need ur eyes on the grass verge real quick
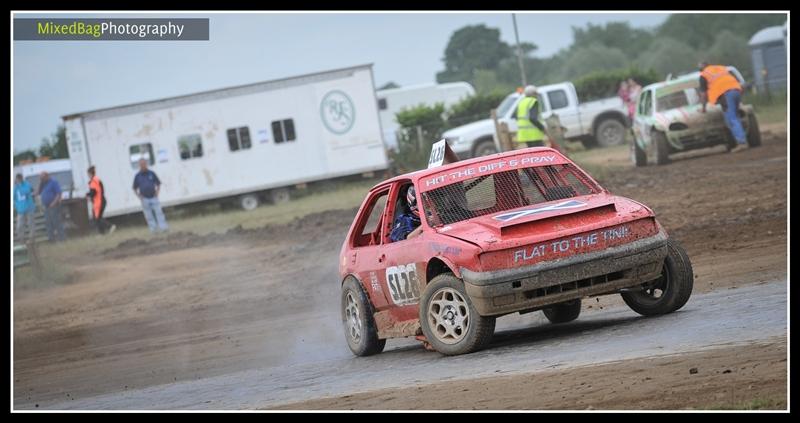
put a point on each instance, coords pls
(57, 260)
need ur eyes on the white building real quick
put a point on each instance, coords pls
(391, 101)
(58, 169)
(768, 52)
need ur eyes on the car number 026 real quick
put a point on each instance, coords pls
(403, 283)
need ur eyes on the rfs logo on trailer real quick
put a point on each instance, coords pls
(338, 112)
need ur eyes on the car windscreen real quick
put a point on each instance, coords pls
(503, 108)
(672, 101)
(678, 95)
(64, 179)
(503, 191)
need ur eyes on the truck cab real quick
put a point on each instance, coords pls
(601, 122)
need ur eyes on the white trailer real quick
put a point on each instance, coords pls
(392, 100)
(73, 203)
(237, 142)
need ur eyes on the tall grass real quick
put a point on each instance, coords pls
(769, 108)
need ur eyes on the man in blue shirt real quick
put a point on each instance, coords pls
(146, 186)
(50, 194)
(24, 205)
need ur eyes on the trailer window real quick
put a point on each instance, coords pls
(239, 138)
(283, 130)
(141, 151)
(382, 104)
(190, 146)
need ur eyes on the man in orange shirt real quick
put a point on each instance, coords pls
(719, 86)
(97, 196)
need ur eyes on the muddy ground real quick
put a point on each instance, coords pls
(186, 308)
(742, 377)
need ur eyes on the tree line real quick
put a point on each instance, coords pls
(476, 53)
(598, 59)
(52, 147)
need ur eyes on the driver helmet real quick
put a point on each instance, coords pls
(411, 200)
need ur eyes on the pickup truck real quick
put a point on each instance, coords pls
(601, 122)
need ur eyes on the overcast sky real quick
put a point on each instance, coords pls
(54, 78)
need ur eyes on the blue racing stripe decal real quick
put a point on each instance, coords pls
(571, 204)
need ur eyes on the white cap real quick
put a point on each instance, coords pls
(530, 90)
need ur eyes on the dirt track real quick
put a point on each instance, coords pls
(725, 378)
(185, 309)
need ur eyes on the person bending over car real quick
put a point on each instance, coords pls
(718, 85)
(407, 224)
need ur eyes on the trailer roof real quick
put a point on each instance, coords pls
(426, 85)
(768, 35)
(217, 93)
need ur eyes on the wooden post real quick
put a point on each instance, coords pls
(33, 257)
(501, 132)
(556, 133)
(508, 137)
(497, 128)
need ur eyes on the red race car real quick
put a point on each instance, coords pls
(513, 232)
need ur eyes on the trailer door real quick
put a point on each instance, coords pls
(78, 155)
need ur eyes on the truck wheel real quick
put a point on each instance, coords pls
(563, 312)
(610, 132)
(248, 202)
(638, 156)
(359, 325)
(279, 195)
(753, 132)
(668, 292)
(449, 320)
(485, 148)
(659, 148)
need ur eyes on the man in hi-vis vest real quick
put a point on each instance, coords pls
(529, 129)
(719, 86)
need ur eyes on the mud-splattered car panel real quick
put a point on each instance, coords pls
(674, 109)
